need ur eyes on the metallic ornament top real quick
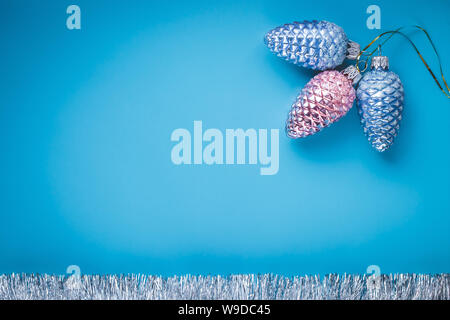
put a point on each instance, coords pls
(380, 62)
(325, 99)
(380, 104)
(318, 45)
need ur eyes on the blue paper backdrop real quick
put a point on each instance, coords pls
(85, 123)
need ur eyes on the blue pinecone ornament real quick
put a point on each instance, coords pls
(317, 45)
(380, 104)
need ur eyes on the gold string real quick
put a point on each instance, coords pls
(397, 31)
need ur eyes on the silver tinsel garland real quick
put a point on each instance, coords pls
(235, 287)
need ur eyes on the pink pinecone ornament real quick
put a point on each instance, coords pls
(325, 99)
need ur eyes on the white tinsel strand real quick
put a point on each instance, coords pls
(246, 287)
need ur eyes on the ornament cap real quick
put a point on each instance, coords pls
(352, 74)
(380, 62)
(353, 50)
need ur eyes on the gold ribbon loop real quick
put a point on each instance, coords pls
(397, 31)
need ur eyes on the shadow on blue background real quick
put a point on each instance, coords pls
(85, 125)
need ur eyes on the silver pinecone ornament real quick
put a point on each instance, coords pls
(318, 45)
(380, 104)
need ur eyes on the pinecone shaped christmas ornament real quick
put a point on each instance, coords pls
(380, 104)
(317, 45)
(325, 99)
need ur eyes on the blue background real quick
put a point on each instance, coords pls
(85, 124)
